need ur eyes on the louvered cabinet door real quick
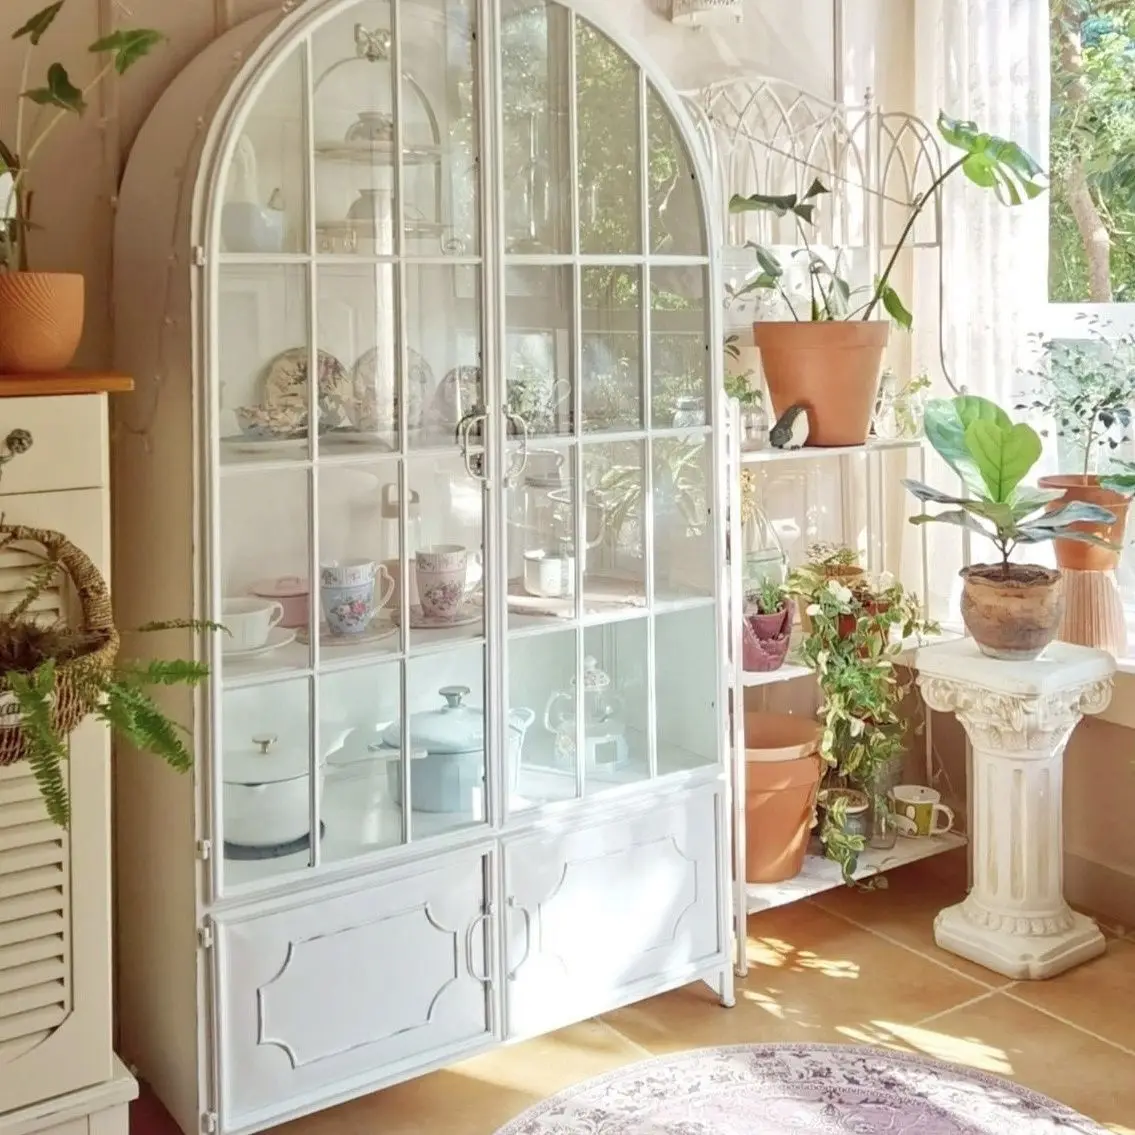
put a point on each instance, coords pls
(55, 985)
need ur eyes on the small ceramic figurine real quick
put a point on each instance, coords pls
(791, 431)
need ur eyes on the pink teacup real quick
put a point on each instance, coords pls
(440, 572)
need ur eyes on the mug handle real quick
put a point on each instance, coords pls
(383, 572)
(948, 813)
(277, 614)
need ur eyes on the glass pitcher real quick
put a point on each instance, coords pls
(604, 732)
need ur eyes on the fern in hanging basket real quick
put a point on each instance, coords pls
(55, 675)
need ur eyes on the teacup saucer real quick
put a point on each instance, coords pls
(468, 613)
(277, 637)
(378, 630)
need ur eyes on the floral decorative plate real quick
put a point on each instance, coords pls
(375, 399)
(457, 394)
(285, 386)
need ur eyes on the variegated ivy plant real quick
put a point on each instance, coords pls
(39, 111)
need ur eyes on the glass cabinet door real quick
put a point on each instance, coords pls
(612, 648)
(351, 541)
(448, 588)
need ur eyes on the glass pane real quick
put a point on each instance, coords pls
(537, 147)
(265, 194)
(440, 151)
(615, 538)
(265, 565)
(676, 227)
(680, 363)
(610, 217)
(616, 707)
(538, 318)
(612, 349)
(541, 538)
(445, 535)
(353, 107)
(443, 327)
(447, 742)
(357, 326)
(265, 775)
(683, 525)
(541, 684)
(358, 714)
(263, 354)
(359, 561)
(685, 704)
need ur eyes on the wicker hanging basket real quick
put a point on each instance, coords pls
(71, 705)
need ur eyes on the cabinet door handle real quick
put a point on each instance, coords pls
(514, 905)
(519, 461)
(483, 978)
(474, 462)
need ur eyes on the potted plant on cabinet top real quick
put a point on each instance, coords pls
(1086, 390)
(853, 644)
(41, 313)
(830, 362)
(1012, 610)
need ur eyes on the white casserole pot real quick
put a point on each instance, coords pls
(267, 798)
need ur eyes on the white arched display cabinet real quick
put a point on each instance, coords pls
(483, 226)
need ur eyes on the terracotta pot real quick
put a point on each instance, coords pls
(1015, 618)
(783, 772)
(845, 627)
(845, 573)
(830, 368)
(1088, 557)
(41, 321)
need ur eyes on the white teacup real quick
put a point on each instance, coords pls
(441, 573)
(549, 575)
(249, 622)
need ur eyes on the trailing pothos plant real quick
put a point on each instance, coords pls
(986, 160)
(853, 644)
(993, 455)
(39, 111)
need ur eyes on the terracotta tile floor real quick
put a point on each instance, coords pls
(846, 967)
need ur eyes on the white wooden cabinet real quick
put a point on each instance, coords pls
(603, 912)
(487, 824)
(55, 915)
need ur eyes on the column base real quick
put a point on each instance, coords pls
(1023, 957)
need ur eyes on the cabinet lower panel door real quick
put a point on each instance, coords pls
(594, 913)
(326, 998)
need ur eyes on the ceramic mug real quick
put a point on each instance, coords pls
(917, 811)
(249, 622)
(441, 572)
(548, 575)
(350, 596)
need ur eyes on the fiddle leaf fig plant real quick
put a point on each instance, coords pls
(993, 455)
(986, 160)
(59, 96)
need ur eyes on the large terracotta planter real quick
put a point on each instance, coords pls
(1015, 618)
(1089, 557)
(41, 321)
(782, 770)
(832, 369)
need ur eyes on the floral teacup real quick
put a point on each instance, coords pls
(441, 574)
(347, 594)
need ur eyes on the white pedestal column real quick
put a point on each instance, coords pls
(1019, 716)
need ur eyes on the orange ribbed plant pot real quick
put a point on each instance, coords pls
(1089, 557)
(41, 321)
(1093, 612)
(830, 368)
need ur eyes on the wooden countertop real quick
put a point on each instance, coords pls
(65, 382)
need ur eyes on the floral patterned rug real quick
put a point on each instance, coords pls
(798, 1089)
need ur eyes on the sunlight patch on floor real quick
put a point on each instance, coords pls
(955, 1049)
(773, 953)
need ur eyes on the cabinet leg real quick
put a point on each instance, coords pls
(722, 985)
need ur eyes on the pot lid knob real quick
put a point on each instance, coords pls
(265, 742)
(593, 677)
(453, 695)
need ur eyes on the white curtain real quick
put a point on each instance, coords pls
(985, 60)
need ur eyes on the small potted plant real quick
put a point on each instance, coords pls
(1012, 610)
(1085, 390)
(824, 562)
(830, 361)
(768, 627)
(853, 643)
(41, 313)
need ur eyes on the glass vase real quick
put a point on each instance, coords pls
(754, 426)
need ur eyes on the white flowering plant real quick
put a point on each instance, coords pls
(855, 636)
